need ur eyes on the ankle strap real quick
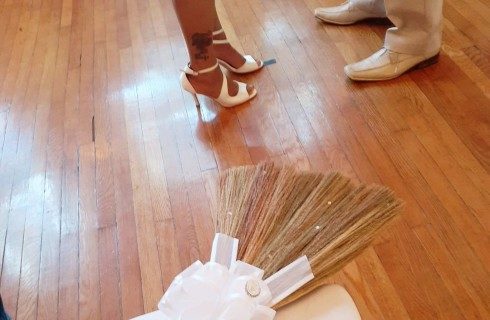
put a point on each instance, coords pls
(224, 41)
(220, 31)
(187, 70)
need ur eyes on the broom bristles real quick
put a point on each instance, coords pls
(280, 214)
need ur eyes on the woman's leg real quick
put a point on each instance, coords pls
(225, 51)
(197, 20)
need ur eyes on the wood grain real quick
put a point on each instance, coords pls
(108, 171)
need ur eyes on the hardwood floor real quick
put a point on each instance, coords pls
(108, 171)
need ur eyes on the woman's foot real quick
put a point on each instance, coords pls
(210, 83)
(225, 52)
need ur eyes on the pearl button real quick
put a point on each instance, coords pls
(253, 288)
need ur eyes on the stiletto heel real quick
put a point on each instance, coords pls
(196, 100)
(224, 98)
(250, 65)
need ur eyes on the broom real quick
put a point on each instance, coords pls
(280, 214)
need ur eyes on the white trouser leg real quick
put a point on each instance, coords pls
(418, 26)
(376, 6)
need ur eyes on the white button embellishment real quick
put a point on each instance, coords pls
(253, 288)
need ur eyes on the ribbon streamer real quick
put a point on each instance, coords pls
(228, 289)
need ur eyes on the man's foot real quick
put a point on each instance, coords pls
(386, 64)
(347, 13)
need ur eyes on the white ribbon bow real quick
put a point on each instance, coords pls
(227, 289)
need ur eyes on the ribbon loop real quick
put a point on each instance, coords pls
(224, 288)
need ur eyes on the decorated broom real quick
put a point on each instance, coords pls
(280, 234)
(280, 214)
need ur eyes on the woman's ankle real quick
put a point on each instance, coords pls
(226, 52)
(210, 84)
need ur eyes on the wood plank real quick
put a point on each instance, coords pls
(128, 258)
(9, 40)
(50, 251)
(148, 252)
(20, 132)
(89, 276)
(69, 232)
(29, 280)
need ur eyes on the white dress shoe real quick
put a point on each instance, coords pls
(386, 64)
(346, 13)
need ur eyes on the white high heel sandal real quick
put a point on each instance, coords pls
(250, 64)
(224, 98)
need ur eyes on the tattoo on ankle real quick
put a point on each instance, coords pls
(202, 41)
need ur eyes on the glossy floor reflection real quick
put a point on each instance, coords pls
(108, 171)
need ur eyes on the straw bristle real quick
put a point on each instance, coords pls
(280, 214)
